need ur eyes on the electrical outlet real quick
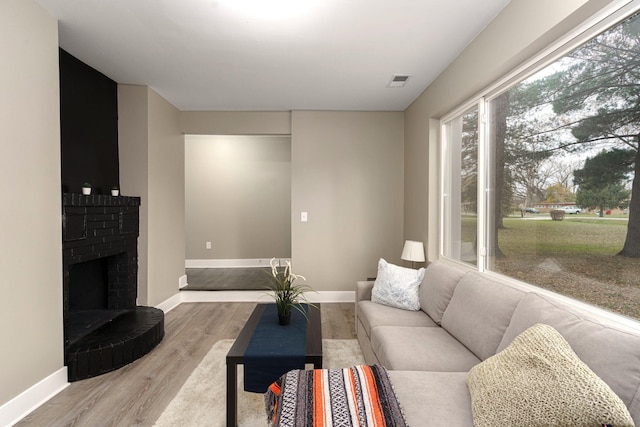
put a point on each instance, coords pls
(208, 245)
(304, 217)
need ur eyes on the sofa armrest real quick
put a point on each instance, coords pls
(363, 293)
(363, 290)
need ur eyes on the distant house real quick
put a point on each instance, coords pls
(548, 207)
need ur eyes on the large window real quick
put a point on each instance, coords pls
(559, 204)
(460, 215)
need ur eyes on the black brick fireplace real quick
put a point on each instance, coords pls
(103, 328)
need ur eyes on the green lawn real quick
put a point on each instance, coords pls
(559, 238)
(575, 257)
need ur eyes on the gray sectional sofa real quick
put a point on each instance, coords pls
(465, 318)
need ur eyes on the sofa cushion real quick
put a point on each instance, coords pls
(371, 315)
(479, 313)
(397, 286)
(440, 279)
(420, 349)
(433, 399)
(539, 381)
(610, 350)
(365, 345)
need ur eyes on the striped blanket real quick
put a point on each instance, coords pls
(360, 396)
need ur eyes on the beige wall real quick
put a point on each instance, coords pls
(166, 200)
(347, 173)
(238, 196)
(133, 152)
(151, 149)
(235, 122)
(30, 222)
(521, 30)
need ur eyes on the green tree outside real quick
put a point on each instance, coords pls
(591, 99)
(601, 180)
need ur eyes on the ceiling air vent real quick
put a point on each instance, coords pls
(399, 80)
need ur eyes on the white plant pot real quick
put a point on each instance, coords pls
(115, 192)
(86, 190)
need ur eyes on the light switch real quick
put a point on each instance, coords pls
(303, 216)
(208, 245)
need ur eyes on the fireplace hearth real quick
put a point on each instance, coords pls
(104, 329)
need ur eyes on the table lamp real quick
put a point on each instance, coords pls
(413, 251)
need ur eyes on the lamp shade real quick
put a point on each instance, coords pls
(413, 251)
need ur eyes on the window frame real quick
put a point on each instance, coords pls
(444, 155)
(612, 15)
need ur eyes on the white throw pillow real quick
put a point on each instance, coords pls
(397, 286)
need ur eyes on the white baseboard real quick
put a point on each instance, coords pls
(170, 303)
(182, 281)
(231, 263)
(30, 399)
(332, 296)
(249, 296)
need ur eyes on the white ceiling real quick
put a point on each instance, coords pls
(316, 55)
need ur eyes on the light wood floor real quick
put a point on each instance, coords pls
(136, 394)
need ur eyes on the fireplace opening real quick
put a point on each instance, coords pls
(88, 284)
(89, 307)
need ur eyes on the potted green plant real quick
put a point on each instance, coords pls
(287, 293)
(86, 188)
